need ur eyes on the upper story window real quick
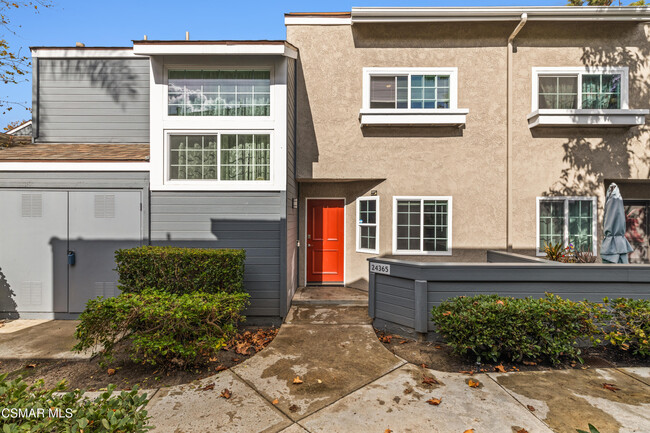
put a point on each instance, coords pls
(219, 93)
(580, 91)
(411, 96)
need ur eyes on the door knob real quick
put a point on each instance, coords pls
(309, 245)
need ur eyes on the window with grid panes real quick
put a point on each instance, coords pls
(219, 93)
(226, 157)
(426, 91)
(422, 225)
(567, 221)
(367, 224)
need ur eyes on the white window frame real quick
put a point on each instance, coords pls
(565, 229)
(579, 71)
(177, 67)
(453, 87)
(420, 252)
(376, 225)
(217, 181)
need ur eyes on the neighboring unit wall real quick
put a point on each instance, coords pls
(249, 220)
(292, 188)
(91, 100)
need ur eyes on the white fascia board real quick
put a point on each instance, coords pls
(424, 117)
(540, 13)
(590, 118)
(217, 49)
(73, 166)
(18, 128)
(80, 53)
(317, 21)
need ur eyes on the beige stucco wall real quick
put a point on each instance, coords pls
(468, 164)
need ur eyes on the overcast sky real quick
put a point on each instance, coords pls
(117, 22)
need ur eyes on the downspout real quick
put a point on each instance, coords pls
(509, 116)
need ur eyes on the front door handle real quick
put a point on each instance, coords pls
(309, 245)
(72, 258)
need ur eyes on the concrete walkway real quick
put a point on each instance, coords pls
(351, 383)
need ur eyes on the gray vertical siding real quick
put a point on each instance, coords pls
(406, 296)
(252, 221)
(292, 186)
(91, 100)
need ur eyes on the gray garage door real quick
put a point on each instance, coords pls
(57, 247)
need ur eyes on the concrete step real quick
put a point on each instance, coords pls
(330, 295)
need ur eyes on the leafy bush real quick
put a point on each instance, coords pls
(163, 328)
(493, 327)
(629, 326)
(180, 270)
(122, 412)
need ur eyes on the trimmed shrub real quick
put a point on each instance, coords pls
(123, 412)
(629, 327)
(163, 328)
(180, 270)
(492, 327)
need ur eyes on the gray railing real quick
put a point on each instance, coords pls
(402, 293)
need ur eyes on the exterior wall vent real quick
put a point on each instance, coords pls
(32, 205)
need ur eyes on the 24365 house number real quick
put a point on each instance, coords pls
(380, 268)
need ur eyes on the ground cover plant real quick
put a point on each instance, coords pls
(52, 410)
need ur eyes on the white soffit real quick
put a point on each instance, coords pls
(539, 13)
(214, 49)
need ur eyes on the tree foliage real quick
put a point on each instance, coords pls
(14, 62)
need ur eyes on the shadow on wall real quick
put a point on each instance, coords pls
(591, 155)
(306, 135)
(8, 307)
(116, 76)
(411, 131)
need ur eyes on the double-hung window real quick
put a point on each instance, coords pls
(367, 225)
(566, 220)
(219, 93)
(223, 157)
(422, 225)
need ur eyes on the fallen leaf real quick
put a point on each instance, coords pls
(388, 431)
(611, 387)
(523, 430)
(473, 383)
(225, 393)
(297, 380)
(467, 372)
(471, 430)
(110, 371)
(276, 401)
(213, 359)
(403, 342)
(319, 381)
(529, 363)
(407, 390)
(500, 302)
(428, 380)
(500, 368)
(235, 360)
(437, 346)
(221, 368)
(293, 408)
(30, 366)
(424, 366)
(531, 408)
(208, 387)
(446, 313)
(434, 401)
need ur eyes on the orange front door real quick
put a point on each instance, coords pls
(325, 243)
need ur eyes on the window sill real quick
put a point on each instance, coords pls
(624, 118)
(421, 253)
(405, 117)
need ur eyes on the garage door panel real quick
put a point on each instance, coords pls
(100, 223)
(33, 223)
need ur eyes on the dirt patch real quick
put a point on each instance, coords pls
(439, 356)
(88, 375)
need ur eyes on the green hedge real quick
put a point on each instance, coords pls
(163, 328)
(492, 327)
(180, 270)
(629, 325)
(123, 412)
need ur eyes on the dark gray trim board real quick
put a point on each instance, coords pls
(406, 293)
